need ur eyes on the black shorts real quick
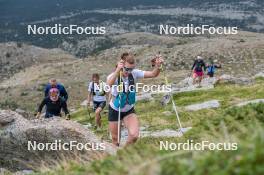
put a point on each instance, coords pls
(97, 104)
(113, 114)
(49, 115)
(210, 74)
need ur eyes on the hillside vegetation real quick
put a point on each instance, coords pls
(241, 55)
(228, 123)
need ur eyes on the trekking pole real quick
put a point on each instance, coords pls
(119, 112)
(89, 114)
(171, 96)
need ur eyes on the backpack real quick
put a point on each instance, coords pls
(102, 93)
(211, 69)
(128, 97)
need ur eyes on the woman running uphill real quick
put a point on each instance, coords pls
(129, 76)
(96, 91)
(198, 70)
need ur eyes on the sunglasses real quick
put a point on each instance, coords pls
(53, 94)
(126, 69)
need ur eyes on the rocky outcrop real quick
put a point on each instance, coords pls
(186, 85)
(165, 133)
(259, 75)
(204, 105)
(250, 102)
(16, 133)
(233, 80)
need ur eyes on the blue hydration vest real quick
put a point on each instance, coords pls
(124, 98)
(211, 69)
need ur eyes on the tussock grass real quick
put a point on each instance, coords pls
(244, 125)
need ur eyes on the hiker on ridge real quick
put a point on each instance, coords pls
(198, 70)
(96, 90)
(211, 67)
(54, 104)
(54, 84)
(123, 81)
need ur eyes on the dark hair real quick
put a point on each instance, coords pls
(95, 76)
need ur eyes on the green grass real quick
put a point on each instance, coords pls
(244, 125)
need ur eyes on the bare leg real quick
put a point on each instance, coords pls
(98, 117)
(194, 79)
(113, 127)
(199, 80)
(132, 124)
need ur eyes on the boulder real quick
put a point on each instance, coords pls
(167, 113)
(185, 82)
(188, 82)
(16, 132)
(145, 97)
(24, 113)
(6, 119)
(165, 133)
(230, 79)
(204, 105)
(259, 75)
(250, 102)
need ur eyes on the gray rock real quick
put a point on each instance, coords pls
(145, 96)
(164, 133)
(185, 82)
(204, 105)
(20, 111)
(24, 113)
(259, 75)
(188, 82)
(124, 134)
(250, 102)
(167, 113)
(16, 131)
(230, 79)
(6, 119)
(23, 172)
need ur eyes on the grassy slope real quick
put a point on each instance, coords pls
(243, 125)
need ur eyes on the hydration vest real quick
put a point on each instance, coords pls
(101, 93)
(123, 98)
(211, 69)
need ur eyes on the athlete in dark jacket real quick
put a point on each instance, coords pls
(54, 104)
(199, 65)
(53, 84)
(198, 69)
